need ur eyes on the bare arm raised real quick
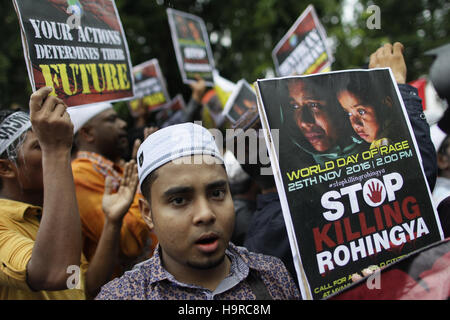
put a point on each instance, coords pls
(115, 206)
(58, 241)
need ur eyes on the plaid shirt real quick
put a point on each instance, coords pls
(150, 281)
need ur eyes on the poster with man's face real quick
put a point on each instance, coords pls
(78, 47)
(348, 172)
(192, 47)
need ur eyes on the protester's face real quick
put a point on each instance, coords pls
(110, 134)
(193, 214)
(362, 117)
(29, 164)
(312, 117)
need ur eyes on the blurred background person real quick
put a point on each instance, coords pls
(102, 143)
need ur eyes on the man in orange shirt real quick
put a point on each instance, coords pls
(101, 140)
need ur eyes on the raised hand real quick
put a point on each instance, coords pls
(198, 89)
(58, 241)
(50, 121)
(116, 204)
(390, 56)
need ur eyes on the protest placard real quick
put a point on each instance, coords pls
(303, 49)
(192, 47)
(242, 99)
(78, 47)
(348, 172)
(223, 87)
(150, 87)
(170, 108)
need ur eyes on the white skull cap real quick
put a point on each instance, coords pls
(82, 114)
(173, 142)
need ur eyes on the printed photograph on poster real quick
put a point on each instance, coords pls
(241, 100)
(303, 50)
(169, 109)
(348, 172)
(150, 87)
(192, 47)
(85, 59)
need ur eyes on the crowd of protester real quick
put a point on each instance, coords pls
(91, 208)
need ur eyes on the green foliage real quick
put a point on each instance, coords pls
(243, 34)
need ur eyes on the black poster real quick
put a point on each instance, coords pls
(348, 172)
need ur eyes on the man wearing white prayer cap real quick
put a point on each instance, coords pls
(101, 142)
(189, 206)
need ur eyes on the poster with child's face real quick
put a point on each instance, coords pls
(350, 178)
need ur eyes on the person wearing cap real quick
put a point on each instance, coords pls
(101, 141)
(189, 206)
(40, 232)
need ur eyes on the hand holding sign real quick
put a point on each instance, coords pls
(198, 89)
(390, 56)
(50, 121)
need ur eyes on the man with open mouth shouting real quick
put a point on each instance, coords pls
(188, 204)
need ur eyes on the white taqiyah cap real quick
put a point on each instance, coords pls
(174, 142)
(82, 114)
